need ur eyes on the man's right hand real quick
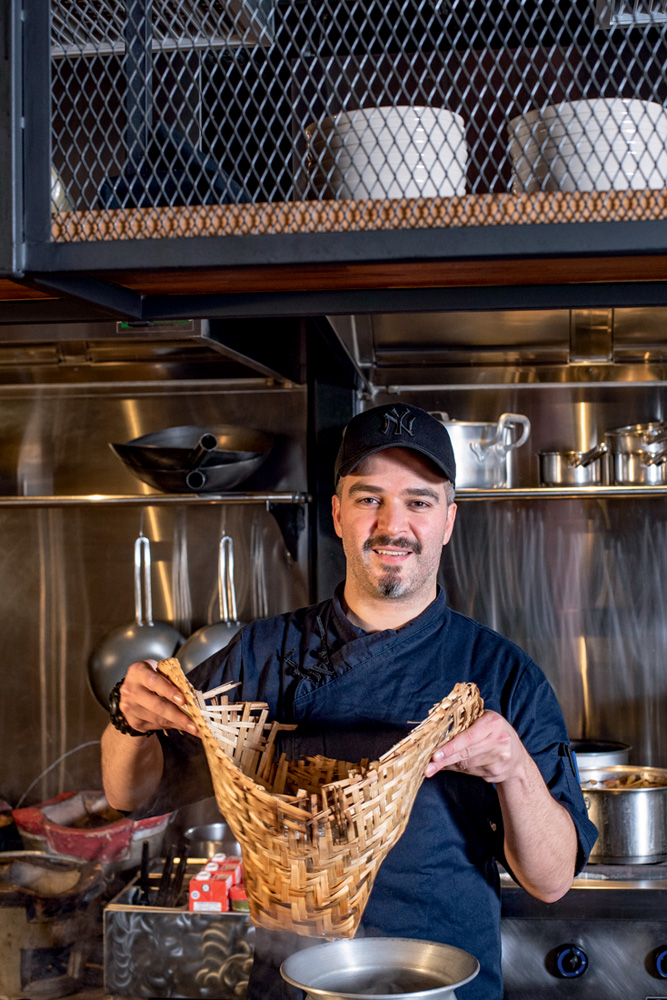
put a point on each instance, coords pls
(150, 701)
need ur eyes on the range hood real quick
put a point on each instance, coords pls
(394, 349)
(229, 349)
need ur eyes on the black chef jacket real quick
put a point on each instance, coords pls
(354, 695)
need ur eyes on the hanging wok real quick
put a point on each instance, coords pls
(142, 639)
(211, 638)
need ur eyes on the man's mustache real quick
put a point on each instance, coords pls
(386, 542)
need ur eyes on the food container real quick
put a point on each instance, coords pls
(572, 468)
(600, 753)
(83, 825)
(485, 452)
(628, 805)
(170, 951)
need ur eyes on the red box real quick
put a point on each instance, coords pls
(209, 892)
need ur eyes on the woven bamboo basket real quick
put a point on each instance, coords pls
(314, 831)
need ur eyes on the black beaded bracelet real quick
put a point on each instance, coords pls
(116, 715)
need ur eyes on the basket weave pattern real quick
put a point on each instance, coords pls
(314, 831)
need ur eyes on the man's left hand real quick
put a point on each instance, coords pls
(489, 749)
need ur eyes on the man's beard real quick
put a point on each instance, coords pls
(391, 583)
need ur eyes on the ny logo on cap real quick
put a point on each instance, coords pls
(396, 423)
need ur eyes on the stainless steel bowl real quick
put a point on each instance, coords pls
(386, 968)
(213, 838)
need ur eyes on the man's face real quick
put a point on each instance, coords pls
(393, 518)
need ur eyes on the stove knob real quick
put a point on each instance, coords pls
(660, 959)
(571, 961)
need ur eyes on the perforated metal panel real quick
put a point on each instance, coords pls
(187, 117)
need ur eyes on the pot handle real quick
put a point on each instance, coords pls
(655, 457)
(143, 597)
(226, 591)
(589, 456)
(658, 434)
(506, 421)
(510, 421)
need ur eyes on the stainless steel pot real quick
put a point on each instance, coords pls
(385, 968)
(572, 468)
(638, 468)
(631, 821)
(637, 454)
(211, 638)
(649, 437)
(484, 451)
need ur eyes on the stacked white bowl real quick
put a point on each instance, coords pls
(388, 152)
(590, 145)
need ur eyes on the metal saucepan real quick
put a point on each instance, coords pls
(649, 437)
(383, 967)
(141, 640)
(211, 638)
(483, 451)
(632, 820)
(638, 454)
(638, 468)
(572, 468)
(186, 459)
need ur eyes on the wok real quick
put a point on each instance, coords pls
(198, 459)
(211, 638)
(143, 639)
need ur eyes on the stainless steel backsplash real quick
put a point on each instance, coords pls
(67, 572)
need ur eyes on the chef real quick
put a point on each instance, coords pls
(355, 672)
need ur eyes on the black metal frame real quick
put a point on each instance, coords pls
(28, 253)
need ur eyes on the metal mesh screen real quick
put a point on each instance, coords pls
(190, 117)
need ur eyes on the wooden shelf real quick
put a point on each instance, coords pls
(298, 217)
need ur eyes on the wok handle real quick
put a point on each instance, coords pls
(206, 444)
(226, 591)
(143, 597)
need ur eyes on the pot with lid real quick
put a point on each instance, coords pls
(484, 452)
(381, 967)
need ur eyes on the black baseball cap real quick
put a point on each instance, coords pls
(398, 425)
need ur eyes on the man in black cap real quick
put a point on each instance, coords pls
(354, 672)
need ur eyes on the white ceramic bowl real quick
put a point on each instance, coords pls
(389, 152)
(590, 145)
